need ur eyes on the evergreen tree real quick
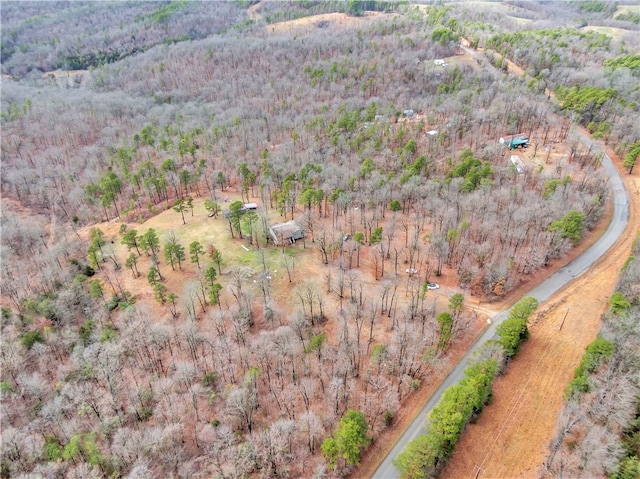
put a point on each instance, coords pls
(196, 251)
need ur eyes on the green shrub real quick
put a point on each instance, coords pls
(108, 334)
(474, 171)
(443, 36)
(580, 384)
(445, 322)
(618, 303)
(330, 451)
(350, 439)
(52, 449)
(85, 331)
(376, 236)
(596, 353)
(419, 458)
(600, 349)
(593, 6)
(29, 338)
(631, 62)
(6, 387)
(388, 418)
(513, 331)
(570, 226)
(629, 468)
(209, 379)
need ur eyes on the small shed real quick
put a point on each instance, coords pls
(519, 140)
(245, 207)
(517, 162)
(288, 232)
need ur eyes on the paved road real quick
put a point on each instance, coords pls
(542, 292)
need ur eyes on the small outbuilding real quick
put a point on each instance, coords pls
(245, 207)
(283, 233)
(517, 163)
(513, 142)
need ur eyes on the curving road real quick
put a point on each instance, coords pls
(542, 292)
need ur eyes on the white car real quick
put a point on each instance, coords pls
(411, 270)
(433, 286)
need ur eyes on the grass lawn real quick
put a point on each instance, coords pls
(304, 263)
(200, 227)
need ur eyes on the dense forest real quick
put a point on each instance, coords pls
(115, 113)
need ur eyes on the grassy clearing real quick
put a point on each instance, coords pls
(508, 10)
(494, 5)
(198, 227)
(498, 7)
(627, 9)
(615, 33)
(520, 21)
(310, 22)
(235, 252)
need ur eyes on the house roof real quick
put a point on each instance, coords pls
(286, 230)
(522, 136)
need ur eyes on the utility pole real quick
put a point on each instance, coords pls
(565, 317)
